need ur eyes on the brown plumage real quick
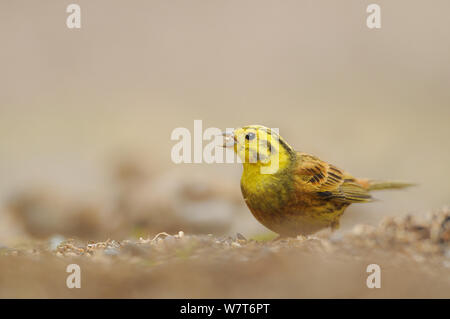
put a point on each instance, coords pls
(305, 194)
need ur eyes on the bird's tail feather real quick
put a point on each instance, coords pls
(373, 185)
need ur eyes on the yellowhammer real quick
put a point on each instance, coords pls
(294, 193)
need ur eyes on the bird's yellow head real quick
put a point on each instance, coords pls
(260, 147)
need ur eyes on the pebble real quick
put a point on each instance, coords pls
(241, 237)
(55, 241)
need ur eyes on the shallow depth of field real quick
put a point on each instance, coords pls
(86, 175)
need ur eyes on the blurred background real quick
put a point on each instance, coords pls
(86, 115)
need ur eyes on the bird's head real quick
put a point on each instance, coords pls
(259, 146)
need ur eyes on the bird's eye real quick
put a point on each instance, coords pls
(250, 136)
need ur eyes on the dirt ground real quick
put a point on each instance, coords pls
(173, 235)
(413, 255)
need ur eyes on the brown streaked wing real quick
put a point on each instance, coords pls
(327, 181)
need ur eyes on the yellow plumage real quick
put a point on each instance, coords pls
(291, 192)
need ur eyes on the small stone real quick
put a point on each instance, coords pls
(362, 229)
(55, 241)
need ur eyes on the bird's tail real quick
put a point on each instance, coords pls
(373, 185)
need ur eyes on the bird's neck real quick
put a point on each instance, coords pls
(258, 176)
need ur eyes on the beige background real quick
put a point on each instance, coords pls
(374, 102)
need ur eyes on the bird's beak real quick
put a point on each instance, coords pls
(228, 139)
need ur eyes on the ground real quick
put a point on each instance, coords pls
(413, 255)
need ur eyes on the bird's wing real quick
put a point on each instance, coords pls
(313, 175)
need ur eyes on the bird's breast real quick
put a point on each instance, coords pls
(269, 194)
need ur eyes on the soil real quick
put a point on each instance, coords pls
(413, 254)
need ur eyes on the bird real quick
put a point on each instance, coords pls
(295, 193)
